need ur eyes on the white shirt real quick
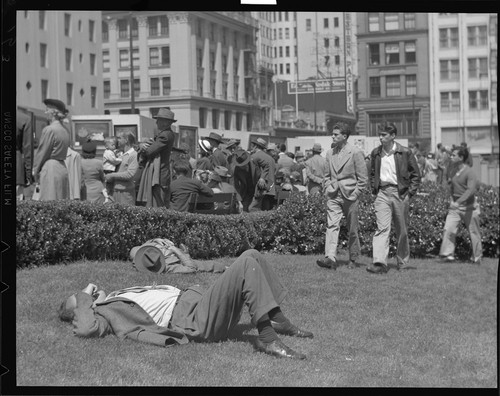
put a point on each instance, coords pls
(110, 160)
(158, 301)
(388, 173)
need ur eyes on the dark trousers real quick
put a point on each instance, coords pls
(210, 315)
(161, 196)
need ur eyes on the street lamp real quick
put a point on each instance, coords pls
(132, 85)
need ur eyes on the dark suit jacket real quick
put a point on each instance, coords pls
(180, 190)
(266, 169)
(162, 146)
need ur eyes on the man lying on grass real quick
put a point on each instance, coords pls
(164, 315)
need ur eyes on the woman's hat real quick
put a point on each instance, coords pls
(148, 259)
(241, 157)
(89, 147)
(165, 113)
(205, 145)
(215, 136)
(56, 104)
(260, 142)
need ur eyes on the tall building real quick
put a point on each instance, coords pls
(463, 58)
(199, 64)
(393, 84)
(58, 55)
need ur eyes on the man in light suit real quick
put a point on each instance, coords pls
(347, 177)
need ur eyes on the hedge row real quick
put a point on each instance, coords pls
(61, 231)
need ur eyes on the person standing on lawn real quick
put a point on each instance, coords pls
(463, 207)
(395, 178)
(316, 170)
(346, 178)
(164, 315)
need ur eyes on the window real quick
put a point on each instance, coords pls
(280, 33)
(279, 16)
(449, 69)
(411, 84)
(67, 24)
(393, 85)
(335, 22)
(478, 100)
(239, 120)
(43, 55)
(92, 64)
(69, 94)
(105, 32)
(337, 60)
(165, 56)
(374, 54)
(203, 117)
(93, 97)
(308, 25)
(135, 28)
(137, 87)
(281, 68)
(215, 119)
(124, 88)
(107, 89)
(325, 23)
(199, 57)
(405, 122)
(155, 86)
(41, 21)
(286, 16)
(68, 53)
(166, 86)
(476, 36)
(124, 62)
(450, 101)
(287, 51)
(409, 20)
(373, 22)
(392, 53)
(337, 42)
(199, 23)
(164, 30)
(227, 119)
(287, 68)
(448, 38)
(153, 26)
(212, 32)
(91, 30)
(410, 52)
(287, 33)
(391, 21)
(105, 60)
(122, 28)
(478, 67)
(212, 60)
(45, 89)
(79, 25)
(374, 87)
(154, 56)
(281, 52)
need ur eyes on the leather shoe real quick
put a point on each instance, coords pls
(377, 268)
(279, 349)
(290, 330)
(327, 262)
(352, 264)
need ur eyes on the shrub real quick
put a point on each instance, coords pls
(59, 231)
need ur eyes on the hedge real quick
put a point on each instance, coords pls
(62, 231)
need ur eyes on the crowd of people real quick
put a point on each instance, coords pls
(148, 174)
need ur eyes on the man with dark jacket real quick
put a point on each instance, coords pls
(164, 315)
(265, 168)
(394, 178)
(217, 158)
(184, 185)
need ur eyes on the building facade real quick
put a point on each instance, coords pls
(393, 84)
(463, 59)
(58, 55)
(199, 64)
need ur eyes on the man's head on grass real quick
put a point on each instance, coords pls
(66, 310)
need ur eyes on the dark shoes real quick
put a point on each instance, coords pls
(377, 268)
(279, 349)
(290, 330)
(352, 264)
(327, 262)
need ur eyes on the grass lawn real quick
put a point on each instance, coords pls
(432, 325)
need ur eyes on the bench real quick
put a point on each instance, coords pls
(219, 204)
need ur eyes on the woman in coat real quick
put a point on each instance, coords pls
(49, 169)
(92, 174)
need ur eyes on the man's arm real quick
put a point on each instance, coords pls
(414, 173)
(162, 141)
(203, 189)
(86, 323)
(361, 173)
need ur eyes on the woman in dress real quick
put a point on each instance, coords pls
(92, 174)
(124, 190)
(49, 169)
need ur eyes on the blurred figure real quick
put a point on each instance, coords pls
(73, 163)
(203, 161)
(94, 187)
(431, 169)
(316, 170)
(265, 168)
(49, 169)
(24, 140)
(243, 176)
(299, 166)
(217, 157)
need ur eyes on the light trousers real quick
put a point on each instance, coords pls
(470, 216)
(389, 207)
(336, 208)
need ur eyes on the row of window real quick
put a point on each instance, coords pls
(157, 85)
(225, 35)
(68, 57)
(406, 122)
(449, 69)
(69, 93)
(42, 24)
(157, 26)
(478, 100)
(392, 53)
(476, 36)
(228, 115)
(391, 20)
(393, 85)
(326, 23)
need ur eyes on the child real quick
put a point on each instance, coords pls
(110, 160)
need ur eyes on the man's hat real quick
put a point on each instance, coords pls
(299, 154)
(241, 157)
(57, 104)
(260, 142)
(205, 145)
(148, 258)
(215, 136)
(222, 171)
(166, 113)
(317, 148)
(89, 147)
(231, 143)
(271, 146)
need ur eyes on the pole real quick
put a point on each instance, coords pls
(132, 85)
(314, 104)
(414, 121)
